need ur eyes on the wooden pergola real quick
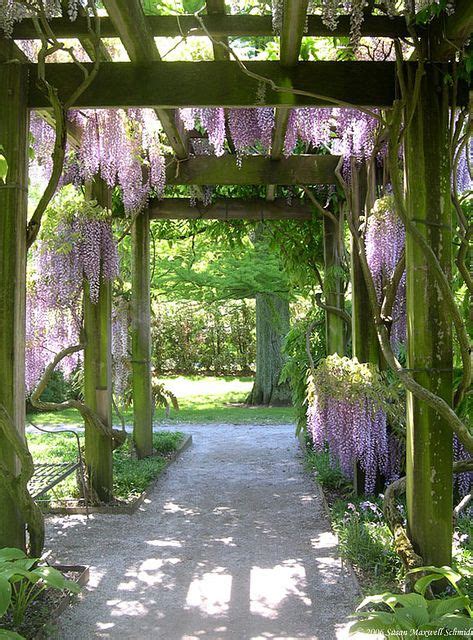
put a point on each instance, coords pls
(148, 81)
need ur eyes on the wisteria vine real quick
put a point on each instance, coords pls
(348, 404)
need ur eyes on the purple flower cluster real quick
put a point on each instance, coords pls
(12, 12)
(120, 350)
(310, 126)
(250, 128)
(345, 414)
(355, 431)
(82, 247)
(463, 481)
(385, 239)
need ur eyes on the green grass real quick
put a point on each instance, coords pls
(201, 400)
(131, 476)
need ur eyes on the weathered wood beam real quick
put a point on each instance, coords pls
(228, 209)
(449, 34)
(141, 336)
(217, 7)
(173, 84)
(294, 170)
(219, 26)
(13, 211)
(10, 52)
(293, 24)
(131, 25)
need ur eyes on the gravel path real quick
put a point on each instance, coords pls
(232, 544)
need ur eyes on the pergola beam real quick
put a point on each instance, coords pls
(228, 209)
(294, 18)
(132, 28)
(174, 84)
(255, 170)
(169, 85)
(219, 25)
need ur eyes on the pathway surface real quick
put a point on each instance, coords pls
(232, 544)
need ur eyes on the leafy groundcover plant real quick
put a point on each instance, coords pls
(414, 614)
(22, 581)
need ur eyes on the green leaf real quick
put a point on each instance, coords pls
(9, 553)
(411, 600)
(381, 598)
(10, 635)
(3, 166)
(5, 595)
(456, 621)
(438, 608)
(54, 578)
(192, 6)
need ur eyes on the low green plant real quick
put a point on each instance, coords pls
(22, 580)
(411, 613)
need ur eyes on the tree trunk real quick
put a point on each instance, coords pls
(98, 389)
(13, 208)
(429, 438)
(141, 337)
(335, 325)
(272, 324)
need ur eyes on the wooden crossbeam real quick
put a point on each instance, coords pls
(228, 209)
(301, 169)
(219, 25)
(294, 17)
(187, 84)
(219, 83)
(131, 25)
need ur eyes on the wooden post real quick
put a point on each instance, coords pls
(14, 125)
(429, 336)
(365, 345)
(141, 336)
(98, 379)
(333, 289)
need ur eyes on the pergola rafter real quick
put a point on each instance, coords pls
(220, 25)
(294, 18)
(130, 22)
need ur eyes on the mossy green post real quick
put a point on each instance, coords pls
(429, 325)
(141, 336)
(14, 124)
(98, 378)
(335, 325)
(365, 344)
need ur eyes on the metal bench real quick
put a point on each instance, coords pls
(49, 474)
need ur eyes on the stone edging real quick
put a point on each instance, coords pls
(134, 505)
(82, 579)
(346, 563)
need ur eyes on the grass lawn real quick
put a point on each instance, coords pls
(131, 476)
(201, 400)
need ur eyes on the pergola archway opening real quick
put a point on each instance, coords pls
(414, 100)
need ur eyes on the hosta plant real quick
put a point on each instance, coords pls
(411, 614)
(21, 582)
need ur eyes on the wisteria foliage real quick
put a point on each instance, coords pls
(385, 240)
(348, 404)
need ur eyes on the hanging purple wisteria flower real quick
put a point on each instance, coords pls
(385, 240)
(347, 410)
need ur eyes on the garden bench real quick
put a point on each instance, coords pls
(49, 474)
